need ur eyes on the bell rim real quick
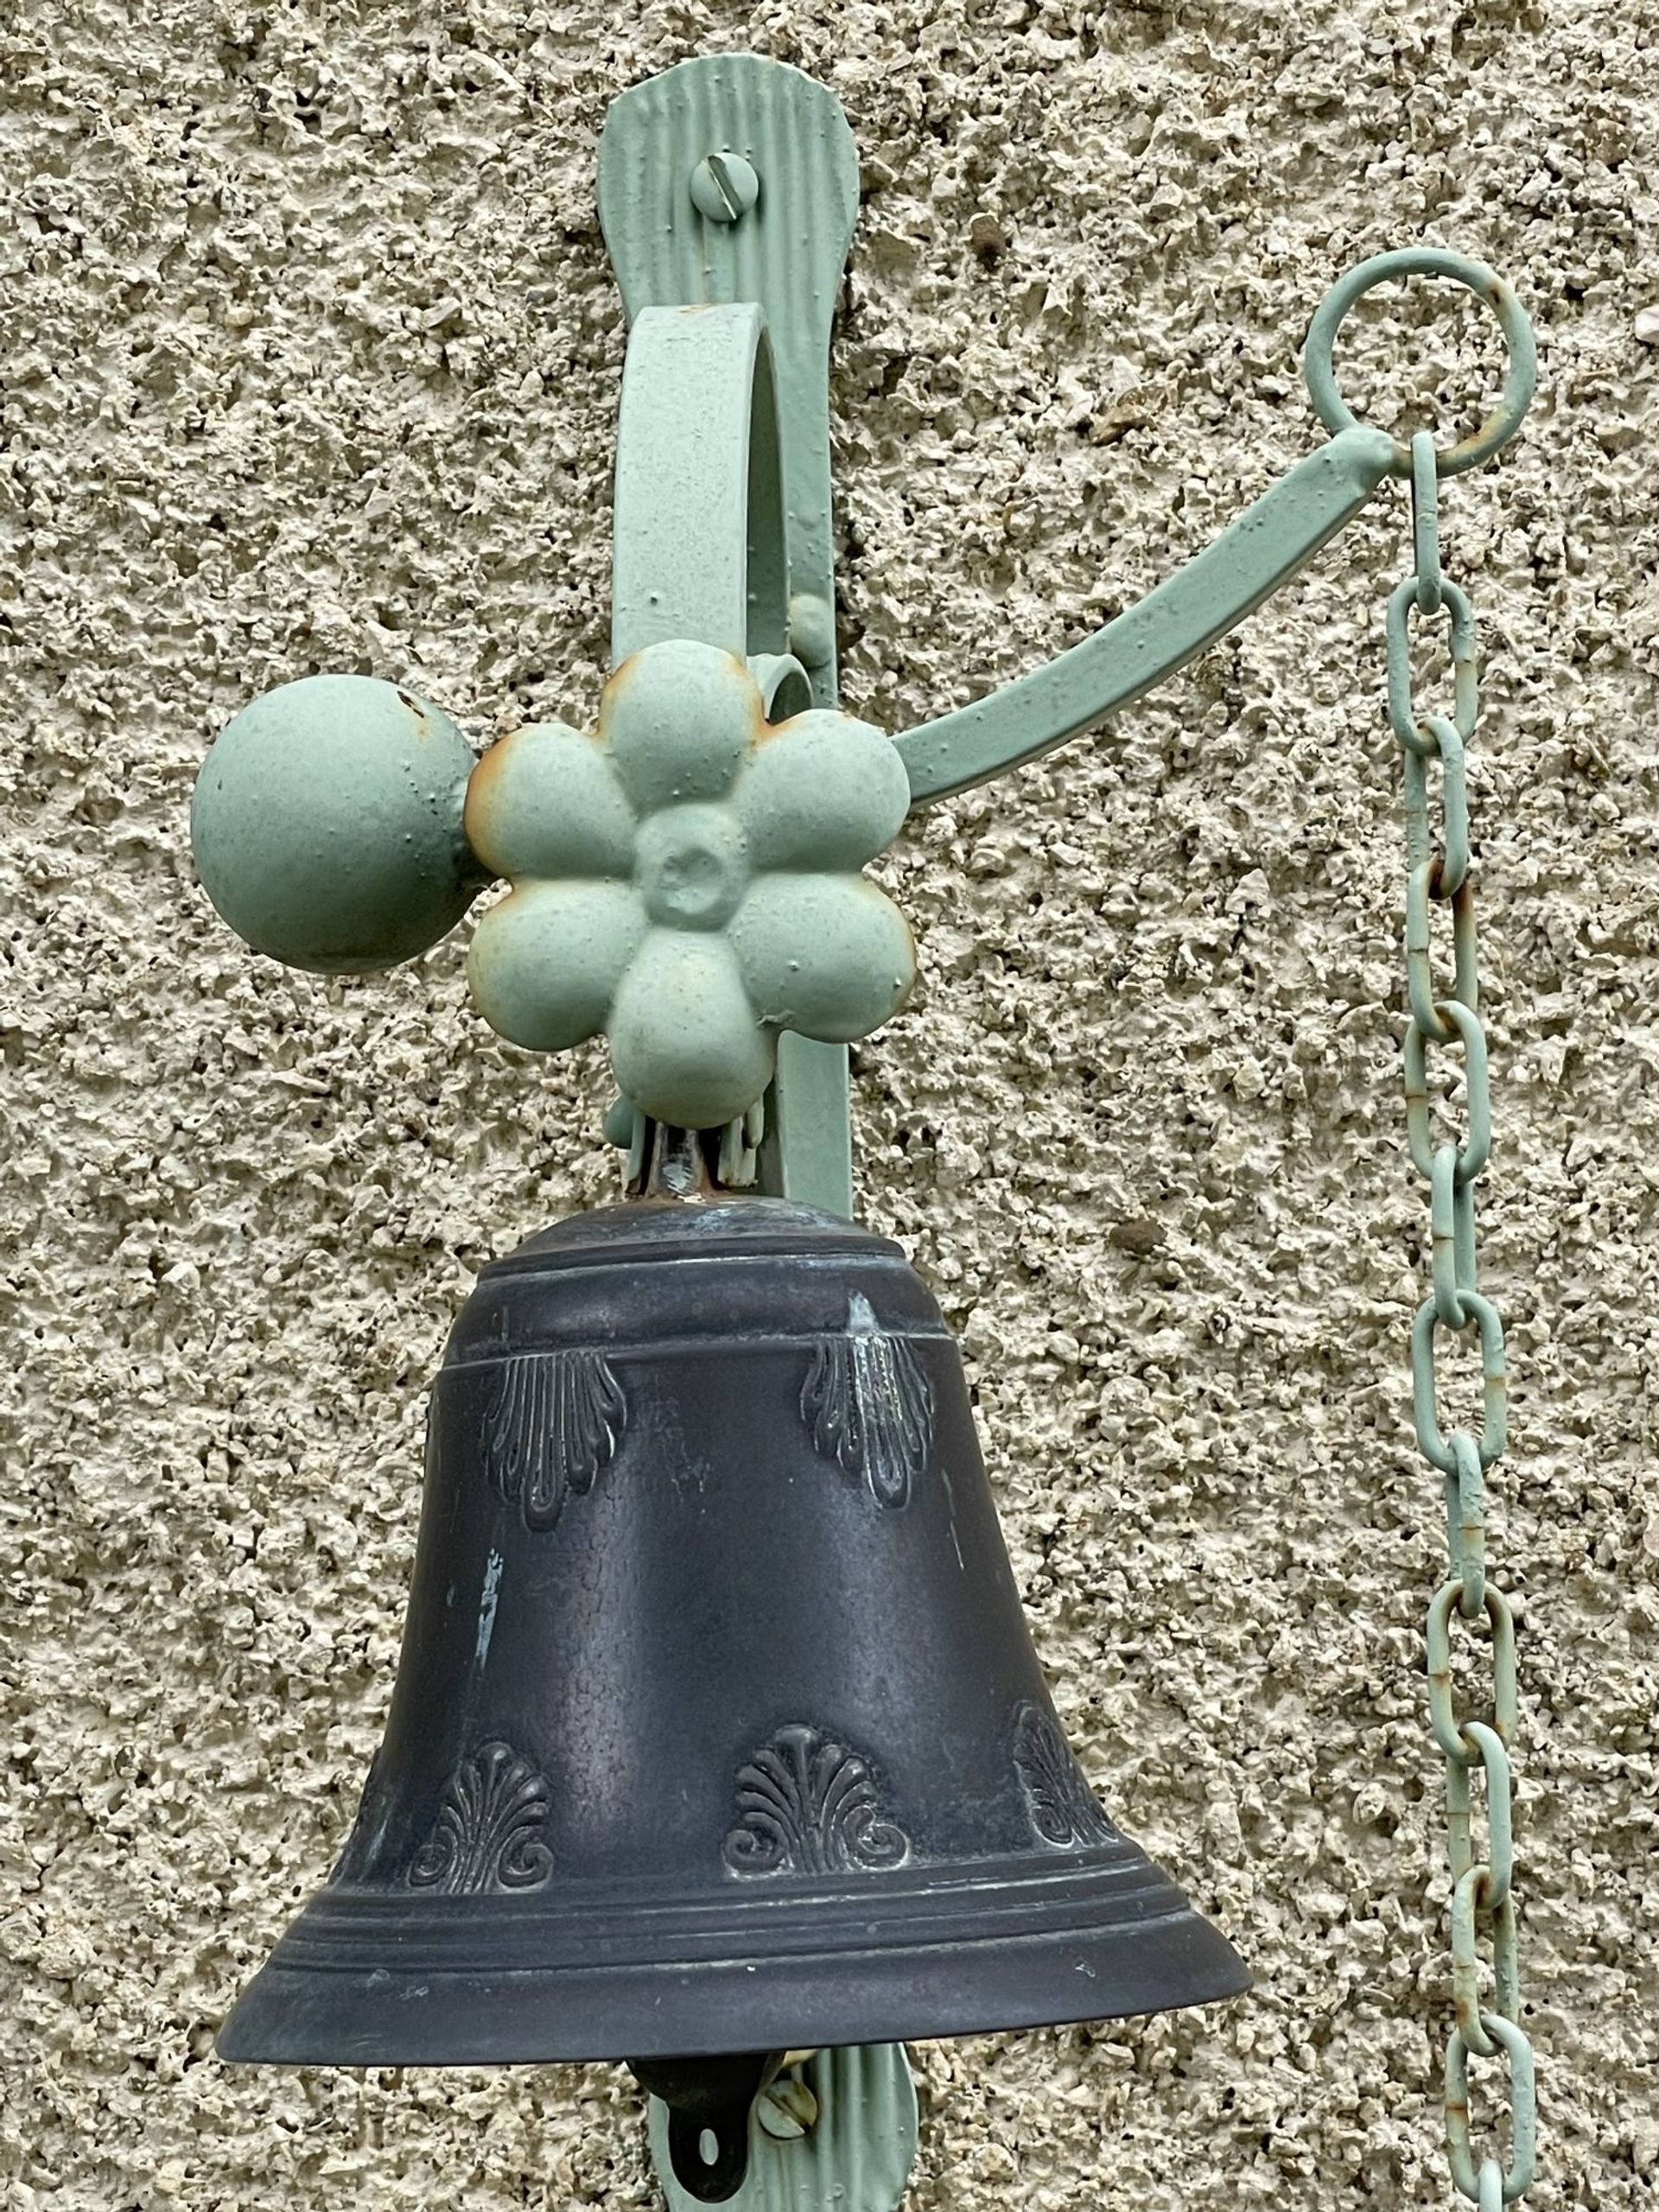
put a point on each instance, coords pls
(401, 2016)
(910, 1956)
(1106, 1885)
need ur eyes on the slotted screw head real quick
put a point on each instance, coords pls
(724, 186)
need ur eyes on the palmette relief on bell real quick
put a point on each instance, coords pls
(869, 1404)
(554, 1423)
(487, 1835)
(1064, 1811)
(809, 1805)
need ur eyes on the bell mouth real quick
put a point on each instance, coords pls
(363, 1981)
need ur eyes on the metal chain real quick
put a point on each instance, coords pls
(1483, 1897)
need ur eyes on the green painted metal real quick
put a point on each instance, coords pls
(1261, 552)
(1426, 524)
(1516, 2179)
(787, 256)
(1403, 715)
(1483, 1897)
(327, 824)
(1521, 374)
(808, 1152)
(1279, 534)
(784, 689)
(724, 187)
(727, 189)
(327, 817)
(779, 260)
(699, 537)
(687, 882)
(836, 2133)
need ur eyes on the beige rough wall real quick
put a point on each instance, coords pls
(310, 361)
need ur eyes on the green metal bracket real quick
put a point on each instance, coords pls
(785, 251)
(1263, 550)
(835, 2133)
(687, 880)
(704, 550)
(734, 180)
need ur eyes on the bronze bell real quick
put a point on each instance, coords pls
(718, 1729)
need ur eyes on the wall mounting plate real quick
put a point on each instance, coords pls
(855, 2156)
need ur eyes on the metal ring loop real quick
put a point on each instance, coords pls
(1426, 261)
(1524, 2111)
(1420, 980)
(1415, 1056)
(1467, 1900)
(1494, 1386)
(1466, 676)
(1506, 1691)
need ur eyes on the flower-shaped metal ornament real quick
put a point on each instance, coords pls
(687, 882)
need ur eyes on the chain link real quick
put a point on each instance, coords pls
(1439, 870)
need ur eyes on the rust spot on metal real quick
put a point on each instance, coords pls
(489, 764)
(423, 727)
(759, 728)
(479, 802)
(617, 683)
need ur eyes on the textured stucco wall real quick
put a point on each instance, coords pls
(310, 360)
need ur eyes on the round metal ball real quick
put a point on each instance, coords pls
(327, 824)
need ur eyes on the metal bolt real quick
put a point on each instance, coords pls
(724, 187)
(789, 2110)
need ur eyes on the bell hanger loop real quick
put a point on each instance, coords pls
(672, 1164)
(710, 2104)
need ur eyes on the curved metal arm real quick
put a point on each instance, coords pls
(1270, 541)
(699, 502)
